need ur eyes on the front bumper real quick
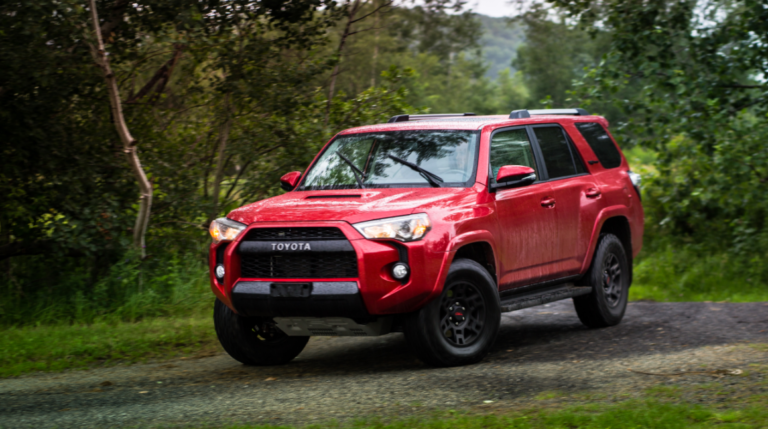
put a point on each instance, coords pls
(377, 292)
(325, 299)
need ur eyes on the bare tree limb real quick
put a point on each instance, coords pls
(162, 75)
(347, 29)
(99, 54)
(387, 4)
(226, 126)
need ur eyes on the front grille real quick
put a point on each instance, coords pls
(297, 234)
(305, 265)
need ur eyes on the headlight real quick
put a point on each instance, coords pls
(223, 229)
(403, 228)
(635, 178)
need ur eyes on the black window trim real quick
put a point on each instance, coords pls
(571, 148)
(537, 158)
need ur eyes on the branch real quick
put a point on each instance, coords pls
(237, 178)
(374, 11)
(99, 54)
(163, 74)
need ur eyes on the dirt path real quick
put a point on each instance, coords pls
(538, 350)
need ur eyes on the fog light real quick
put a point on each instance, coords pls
(400, 271)
(220, 271)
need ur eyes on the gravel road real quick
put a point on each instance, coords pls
(539, 350)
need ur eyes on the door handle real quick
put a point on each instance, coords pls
(548, 202)
(593, 193)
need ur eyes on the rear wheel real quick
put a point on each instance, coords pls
(609, 277)
(254, 340)
(460, 326)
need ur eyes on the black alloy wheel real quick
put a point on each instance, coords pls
(460, 326)
(462, 314)
(609, 276)
(612, 279)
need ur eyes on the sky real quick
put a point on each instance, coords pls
(495, 8)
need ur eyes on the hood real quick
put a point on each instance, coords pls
(351, 205)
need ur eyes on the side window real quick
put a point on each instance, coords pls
(511, 148)
(556, 151)
(601, 143)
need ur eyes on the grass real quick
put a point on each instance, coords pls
(674, 274)
(56, 348)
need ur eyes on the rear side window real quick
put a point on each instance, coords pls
(601, 143)
(556, 151)
(511, 148)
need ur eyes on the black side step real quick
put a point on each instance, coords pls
(538, 297)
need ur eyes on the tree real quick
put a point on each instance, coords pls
(130, 148)
(703, 106)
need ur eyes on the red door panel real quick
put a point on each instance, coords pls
(528, 233)
(579, 200)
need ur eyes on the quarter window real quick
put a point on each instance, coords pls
(511, 147)
(556, 152)
(601, 143)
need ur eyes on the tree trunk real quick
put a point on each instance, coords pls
(129, 143)
(347, 30)
(375, 45)
(226, 126)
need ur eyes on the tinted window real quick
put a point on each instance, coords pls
(556, 151)
(601, 144)
(510, 148)
(449, 155)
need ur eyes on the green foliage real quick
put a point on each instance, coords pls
(702, 109)
(129, 290)
(683, 273)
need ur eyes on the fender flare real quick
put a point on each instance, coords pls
(456, 243)
(605, 214)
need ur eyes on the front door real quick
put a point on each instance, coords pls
(526, 215)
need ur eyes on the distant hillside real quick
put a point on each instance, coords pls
(499, 42)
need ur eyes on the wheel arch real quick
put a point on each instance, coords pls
(480, 252)
(619, 226)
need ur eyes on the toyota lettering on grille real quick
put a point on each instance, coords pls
(291, 246)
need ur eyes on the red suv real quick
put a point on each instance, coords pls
(431, 225)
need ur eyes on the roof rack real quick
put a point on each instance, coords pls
(525, 113)
(406, 118)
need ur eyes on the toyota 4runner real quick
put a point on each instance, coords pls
(431, 225)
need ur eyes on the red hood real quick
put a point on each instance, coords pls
(353, 205)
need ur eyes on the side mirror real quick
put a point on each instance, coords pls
(512, 176)
(290, 180)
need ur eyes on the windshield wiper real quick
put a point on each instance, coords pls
(432, 178)
(355, 170)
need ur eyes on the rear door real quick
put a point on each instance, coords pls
(577, 198)
(526, 220)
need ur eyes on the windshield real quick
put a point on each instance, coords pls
(396, 159)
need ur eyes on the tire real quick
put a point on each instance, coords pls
(609, 276)
(438, 340)
(254, 340)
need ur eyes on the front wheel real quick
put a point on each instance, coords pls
(609, 277)
(460, 326)
(254, 340)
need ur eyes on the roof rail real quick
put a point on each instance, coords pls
(406, 118)
(525, 113)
